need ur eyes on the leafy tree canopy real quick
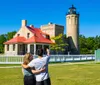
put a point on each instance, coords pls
(60, 43)
(4, 38)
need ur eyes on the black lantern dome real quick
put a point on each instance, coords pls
(72, 10)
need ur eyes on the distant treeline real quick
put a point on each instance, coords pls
(4, 38)
(88, 45)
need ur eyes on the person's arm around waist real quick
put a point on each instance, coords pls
(38, 71)
(33, 70)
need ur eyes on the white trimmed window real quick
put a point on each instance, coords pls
(13, 47)
(7, 47)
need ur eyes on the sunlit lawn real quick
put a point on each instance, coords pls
(77, 74)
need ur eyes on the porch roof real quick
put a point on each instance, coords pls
(17, 39)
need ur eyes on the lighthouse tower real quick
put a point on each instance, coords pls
(72, 25)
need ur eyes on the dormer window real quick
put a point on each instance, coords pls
(28, 35)
(18, 35)
(47, 36)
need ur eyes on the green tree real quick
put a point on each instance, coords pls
(82, 44)
(97, 42)
(10, 35)
(60, 43)
(2, 40)
(89, 45)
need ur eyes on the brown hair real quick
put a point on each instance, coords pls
(27, 58)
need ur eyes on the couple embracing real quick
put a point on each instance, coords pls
(36, 70)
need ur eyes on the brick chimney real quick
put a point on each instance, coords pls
(24, 23)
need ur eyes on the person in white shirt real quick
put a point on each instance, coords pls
(29, 78)
(42, 78)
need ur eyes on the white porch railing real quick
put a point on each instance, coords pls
(54, 58)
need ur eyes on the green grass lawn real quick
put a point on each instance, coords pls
(76, 74)
(7, 65)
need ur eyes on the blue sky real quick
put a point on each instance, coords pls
(39, 12)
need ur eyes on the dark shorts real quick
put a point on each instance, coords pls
(45, 82)
(29, 80)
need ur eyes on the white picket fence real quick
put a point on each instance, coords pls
(54, 58)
